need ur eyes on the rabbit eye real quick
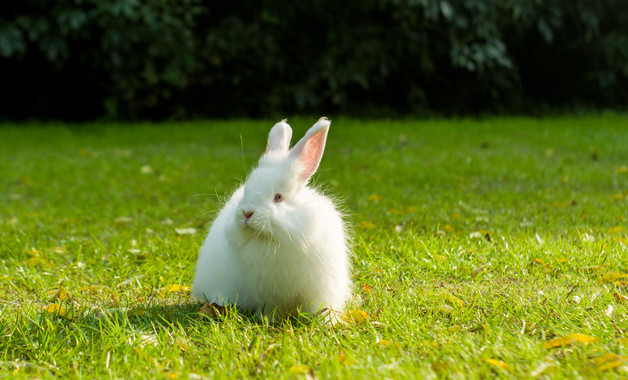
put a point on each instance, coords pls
(278, 198)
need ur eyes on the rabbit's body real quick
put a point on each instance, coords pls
(277, 245)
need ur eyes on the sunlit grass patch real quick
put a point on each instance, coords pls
(482, 248)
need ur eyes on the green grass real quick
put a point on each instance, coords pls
(474, 241)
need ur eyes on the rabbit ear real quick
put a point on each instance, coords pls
(309, 150)
(279, 137)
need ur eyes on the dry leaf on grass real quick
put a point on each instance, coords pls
(498, 363)
(58, 310)
(298, 369)
(176, 288)
(612, 277)
(541, 262)
(454, 300)
(343, 359)
(374, 198)
(57, 294)
(213, 311)
(623, 169)
(355, 317)
(36, 260)
(183, 343)
(610, 361)
(172, 289)
(388, 343)
(365, 225)
(620, 297)
(570, 340)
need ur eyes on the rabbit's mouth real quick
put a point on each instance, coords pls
(256, 230)
(250, 225)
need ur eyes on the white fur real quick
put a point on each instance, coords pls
(289, 254)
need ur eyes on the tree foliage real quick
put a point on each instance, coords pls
(156, 58)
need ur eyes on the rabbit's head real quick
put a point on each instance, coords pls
(276, 203)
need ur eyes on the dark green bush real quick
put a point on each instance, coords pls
(79, 59)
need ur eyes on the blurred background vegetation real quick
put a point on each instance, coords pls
(158, 59)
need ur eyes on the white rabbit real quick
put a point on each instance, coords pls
(278, 245)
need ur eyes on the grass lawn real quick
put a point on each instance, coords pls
(483, 248)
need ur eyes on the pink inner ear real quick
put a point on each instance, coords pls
(312, 154)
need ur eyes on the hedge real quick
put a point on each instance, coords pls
(83, 59)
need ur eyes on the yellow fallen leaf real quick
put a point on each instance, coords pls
(624, 341)
(177, 288)
(621, 284)
(355, 317)
(114, 300)
(570, 340)
(445, 309)
(541, 262)
(616, 229)
(618, 197)
(37, 261)
(182, 343)
(366, 288)
(374, 198)
(623, 169)
(172, 375)
(387, 343)
(498, 364)
(365, 225)
(407, 210)
(454, 300)
(609, 358)
(611, 277)
(298, 369)
(61, 311)
(433, 344)
(343, 359)
(57, 294)
(92, 288)
(611, 365)
(610, 361)
(448, 228)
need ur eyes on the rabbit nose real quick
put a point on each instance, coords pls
(248, 214)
